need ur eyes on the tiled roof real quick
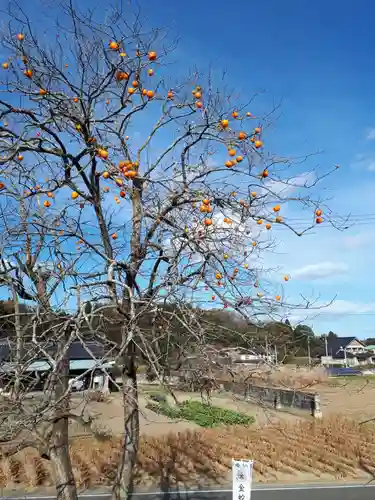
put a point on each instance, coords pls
(88, 350)
(77, 351)
(335, 344)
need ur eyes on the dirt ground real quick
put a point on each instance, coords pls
(352, 398)
(349, 398)
(109, 414)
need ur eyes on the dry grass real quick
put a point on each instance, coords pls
(301, 377)
(332, 448)
(285, 376)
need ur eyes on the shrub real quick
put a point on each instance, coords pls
(97, 396)
(202, 414)
(158, 397)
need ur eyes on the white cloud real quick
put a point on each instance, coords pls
(371, 134)
(364, 162)
(348, 307)
(320, 271)
(359, 240)
(336, 309)
(287, 187)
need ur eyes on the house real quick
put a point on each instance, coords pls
(88, 361)
(347, 351)
(254, 355)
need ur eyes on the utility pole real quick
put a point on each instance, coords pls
(308, 351)
(326, 344)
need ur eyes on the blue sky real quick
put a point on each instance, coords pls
(316, 60)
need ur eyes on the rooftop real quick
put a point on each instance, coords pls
(77, 351)
(334, 345)
(43, 366)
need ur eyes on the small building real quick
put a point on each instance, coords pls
(87, 362)
(253, 355)
(370, 348)
(347, 351)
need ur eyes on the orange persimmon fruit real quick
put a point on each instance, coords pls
(113, 45)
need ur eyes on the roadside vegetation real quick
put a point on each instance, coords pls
(202, 414)
(330, 449)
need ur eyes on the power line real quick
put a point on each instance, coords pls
(347, 216)
(340, 220)
(327, 313)
(309, 225)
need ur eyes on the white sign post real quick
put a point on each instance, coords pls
(242, 477)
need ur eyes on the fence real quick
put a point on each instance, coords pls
(271, 396)
(343, 372)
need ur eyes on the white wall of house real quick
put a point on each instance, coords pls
(327, 360)
(330, 361)
(101, 382)
(256, 358)
(355, 346)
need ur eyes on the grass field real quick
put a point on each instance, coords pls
(330, 449)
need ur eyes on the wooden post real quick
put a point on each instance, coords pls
(316, 411)
(277, 402)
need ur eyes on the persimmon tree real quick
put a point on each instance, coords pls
(141, 191)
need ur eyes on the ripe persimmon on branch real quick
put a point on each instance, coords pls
(140, 194)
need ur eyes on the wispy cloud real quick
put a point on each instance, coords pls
(321, 270)
(370, 136)
(359, 240)
(287, 187)
(364, 162)
(337, 308)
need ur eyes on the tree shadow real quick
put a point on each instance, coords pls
(175, 476)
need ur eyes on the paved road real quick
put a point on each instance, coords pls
(306, 492)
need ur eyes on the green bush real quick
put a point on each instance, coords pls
(158, 397)
(204, 415)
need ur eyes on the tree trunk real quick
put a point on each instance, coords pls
(19, 345)
(59, 452)
(123, 486)
(60, 457)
